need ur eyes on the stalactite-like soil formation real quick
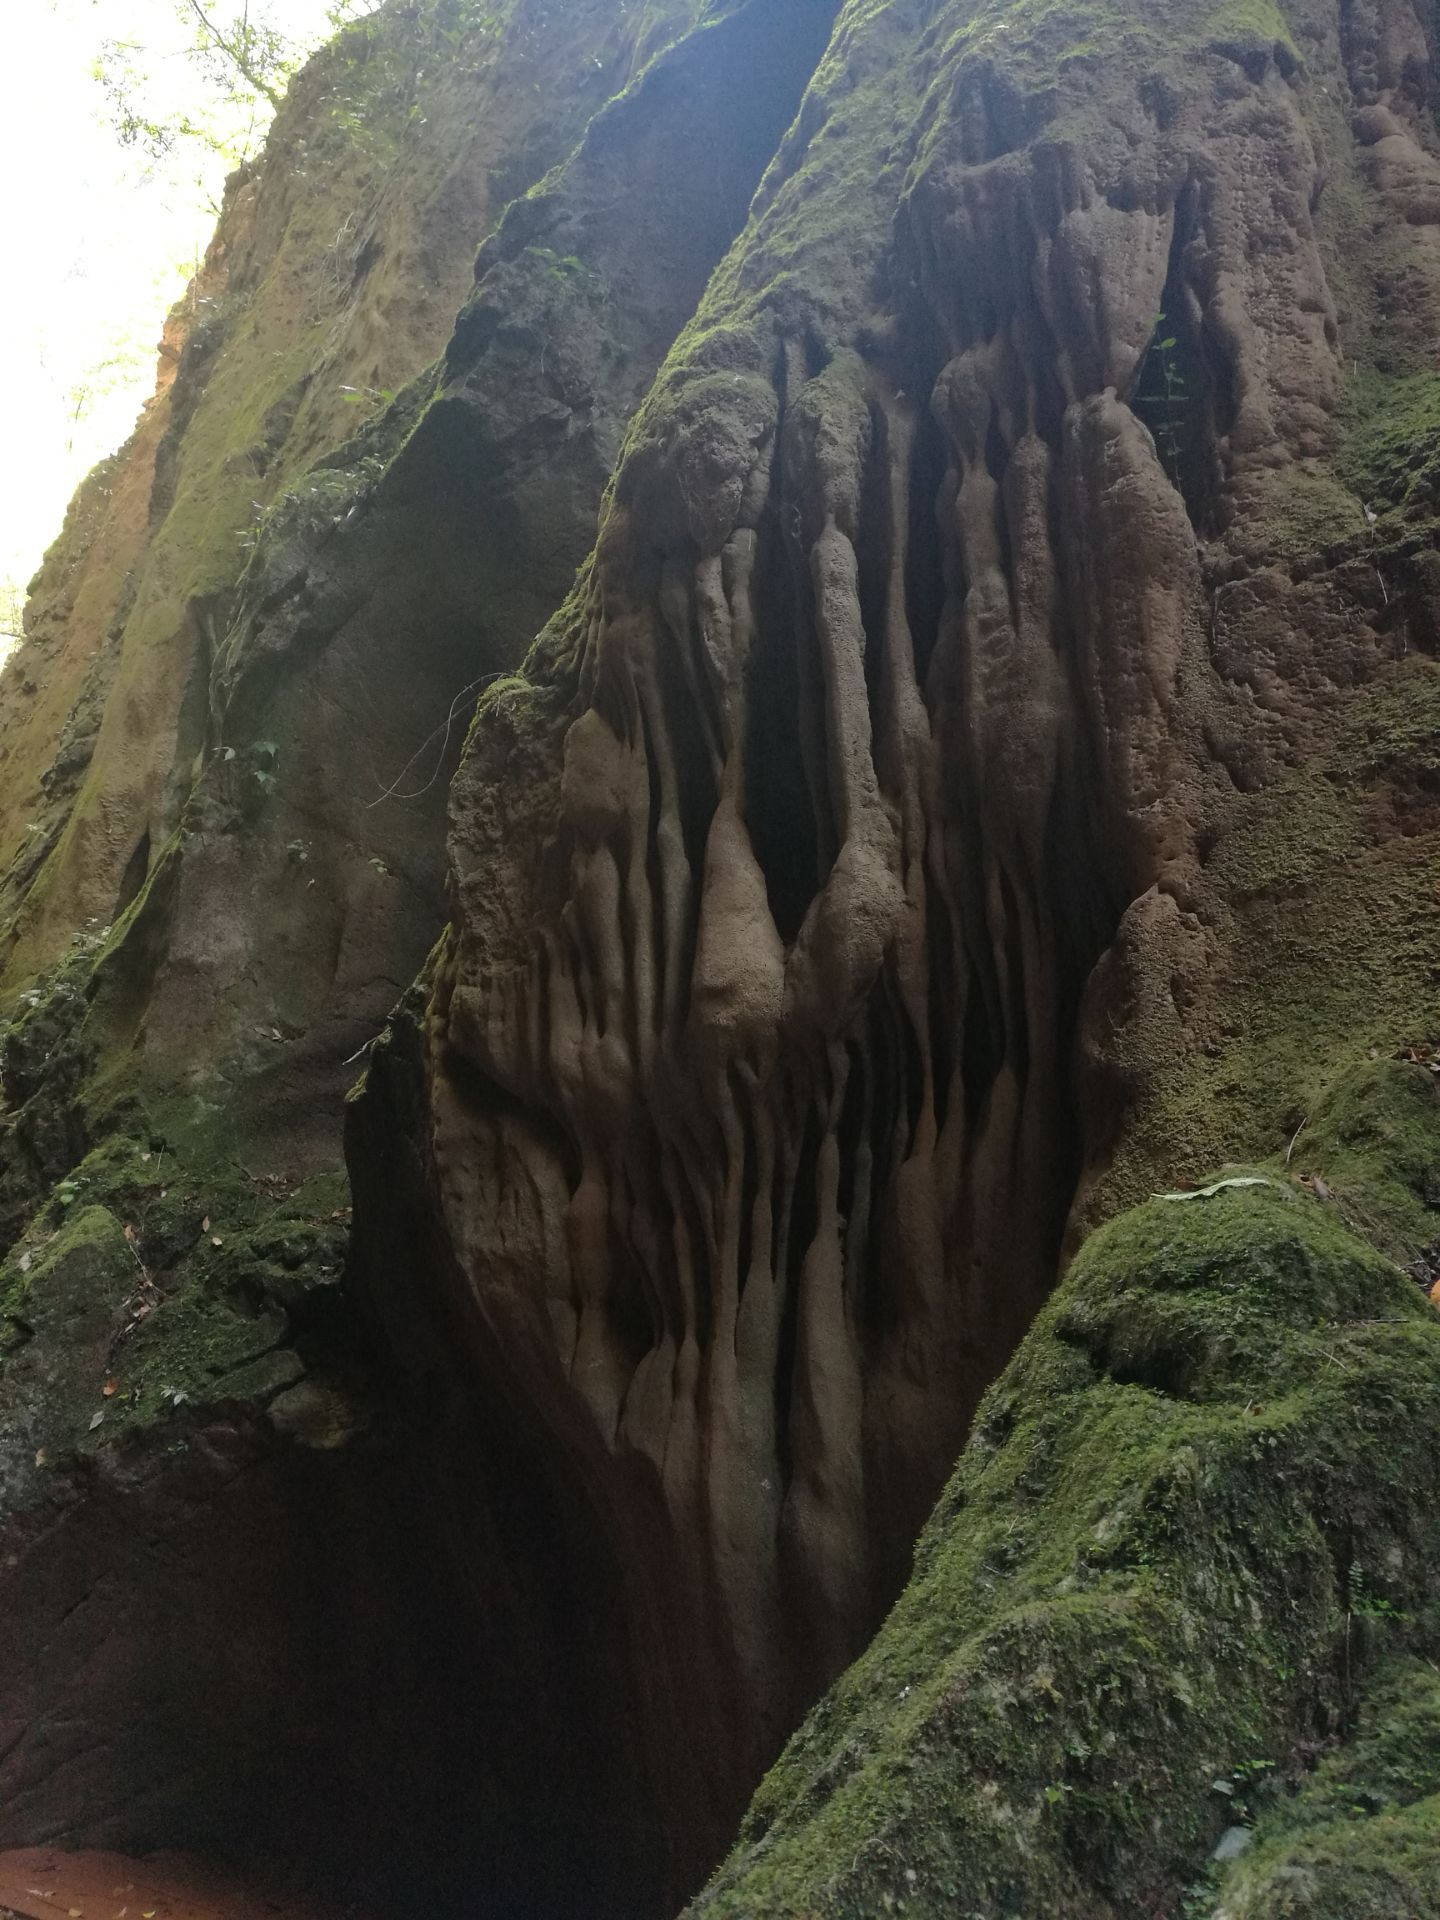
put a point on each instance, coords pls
(983, 774)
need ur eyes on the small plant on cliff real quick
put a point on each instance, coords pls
(389, 64)
(1165, 405)
(264, 762)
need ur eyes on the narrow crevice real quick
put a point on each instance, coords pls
(945, 1046)
(778, 808)
(654, 886)
(1181, 390)
(924, 564)
(137, 869)
(853, 1114)
(749, 1179)
(801, 1225)
(1017, 1035)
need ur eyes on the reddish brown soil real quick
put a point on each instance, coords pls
(37, 1882)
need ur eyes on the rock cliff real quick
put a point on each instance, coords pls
(983, 772)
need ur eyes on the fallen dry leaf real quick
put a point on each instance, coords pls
(205, 1224)
(216, 1241)
(131, 1235)
(95, 1420)
(1216, 1186)
(110, 1388)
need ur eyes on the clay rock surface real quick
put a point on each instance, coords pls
(846, 899)
(235, 868)
(982, 772)
(248, 842)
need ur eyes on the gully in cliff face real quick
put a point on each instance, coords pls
(782, 1038)
(983, 774)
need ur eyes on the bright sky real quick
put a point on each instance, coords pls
(95, 240)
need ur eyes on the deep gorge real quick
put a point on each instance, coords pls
(807, 851)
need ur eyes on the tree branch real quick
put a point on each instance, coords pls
(235, 53)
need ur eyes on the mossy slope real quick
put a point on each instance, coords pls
(156, 1280)
(1362, 1835)
(1213, 1453)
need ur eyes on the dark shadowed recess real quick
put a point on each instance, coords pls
(311, 1695)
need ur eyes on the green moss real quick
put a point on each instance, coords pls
(58, 1298)
(1387, 1868)
(1261, 20)
(197, 1281)
(45, 1056)
(1375, 1139)
(87, 1235)
(1391, 451)
(1393, 730)
(505, 692)
(1136, 1585)
(1040, 40)
(1361, 1836)
(193, 1348)
(1309, 509)
(1329, 947)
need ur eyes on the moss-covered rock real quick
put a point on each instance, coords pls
(1375, 1138)
(156, 1279)
(1200, 1499)
(1326, 976)
(1392, 451)
(1362, 1834)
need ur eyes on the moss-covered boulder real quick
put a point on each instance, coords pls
(155, 1281)
(1199, 1503)
(1362, 1835)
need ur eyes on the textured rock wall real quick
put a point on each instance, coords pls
(1165, 1581)
(385, 594)
(984, 769)
(277, 765)
(334, 279)
(855, 897)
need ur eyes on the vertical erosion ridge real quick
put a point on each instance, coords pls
(1006, 654)
(804, 887)
(228, 1634)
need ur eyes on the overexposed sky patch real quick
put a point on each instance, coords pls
(96, 240)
